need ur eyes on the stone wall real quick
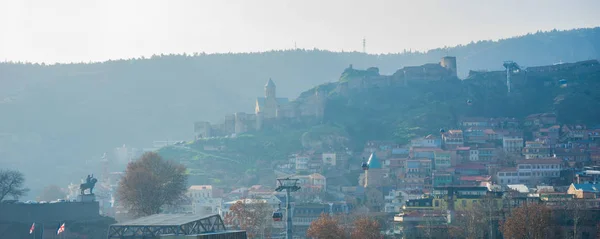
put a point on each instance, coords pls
(49, 212)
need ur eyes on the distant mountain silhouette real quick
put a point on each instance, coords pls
(62, 115)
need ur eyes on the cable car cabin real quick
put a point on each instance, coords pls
(442, 131)
(469, 102)
(364, 166)
(277, 216)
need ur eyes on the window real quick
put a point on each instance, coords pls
(437, 203)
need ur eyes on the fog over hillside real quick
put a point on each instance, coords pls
(66, 115)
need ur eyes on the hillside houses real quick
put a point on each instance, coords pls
(506, 160)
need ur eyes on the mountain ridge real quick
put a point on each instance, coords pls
(66, 114)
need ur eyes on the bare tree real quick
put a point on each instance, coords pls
(151, 182)
(11, 184)
(477, 221)
(576, 211)
(531, 221)
(468, 224)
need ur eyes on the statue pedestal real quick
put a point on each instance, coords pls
(86, 198)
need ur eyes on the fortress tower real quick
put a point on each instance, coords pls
(202, 129)
(449, 62)
(240, 119)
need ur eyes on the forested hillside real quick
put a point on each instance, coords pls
(62, 115)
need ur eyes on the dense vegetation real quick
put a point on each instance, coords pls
(61, 116)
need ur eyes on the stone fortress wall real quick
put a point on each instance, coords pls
(49, 212)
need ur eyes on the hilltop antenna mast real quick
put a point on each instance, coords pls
(364, 45)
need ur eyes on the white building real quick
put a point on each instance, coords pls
(394, 201)
(474, 155)
(205, 206)
(302, 163)
(314, 182)
(428, 141)
(329, 159)
(203, 200)
(453, 139)
(536, 149)
(530, 171)
(512, 144)
(200, 191)
(271, 200)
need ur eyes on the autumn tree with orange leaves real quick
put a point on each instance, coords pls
(251, 215)
(366, 228)
(326, 226)
(531, 220)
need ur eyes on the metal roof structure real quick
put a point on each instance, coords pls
(162, 224)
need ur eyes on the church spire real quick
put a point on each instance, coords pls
(270, 89)
(270, 83)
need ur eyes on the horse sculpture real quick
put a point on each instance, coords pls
(90, 182)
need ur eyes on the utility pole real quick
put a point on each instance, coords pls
(289, 185)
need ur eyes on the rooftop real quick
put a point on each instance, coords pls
(164, 224)
(200, 187)
(374, 161)
(519, 188)
(540, 161)
(587, 187)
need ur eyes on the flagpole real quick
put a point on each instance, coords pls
(42, 236)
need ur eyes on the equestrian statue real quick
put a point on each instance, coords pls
(90, 182)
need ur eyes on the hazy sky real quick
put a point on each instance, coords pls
(94, 30)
